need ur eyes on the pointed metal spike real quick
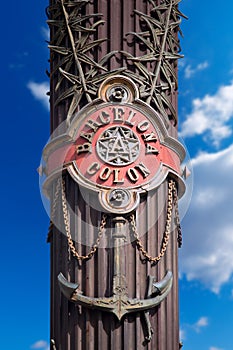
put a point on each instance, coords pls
(40, 170)
(186, 173)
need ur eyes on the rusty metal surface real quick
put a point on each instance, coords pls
(74, 327)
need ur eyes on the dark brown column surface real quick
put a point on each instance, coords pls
(74, 327)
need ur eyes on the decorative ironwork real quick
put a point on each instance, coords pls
(119, 304)
(154, 71)
(118, 145)
(117, 94)
(112, 145)
(119, 198)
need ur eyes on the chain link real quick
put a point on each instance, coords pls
(53, 208)
(177, 218)
(172, 200)
(171, 186)
(67, 229)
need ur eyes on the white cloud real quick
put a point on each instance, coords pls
(39, 91)
(45, 33)
(196, 327)
(208, 226)
(201, 323)
(214, 348)
(40, 344)
(189, 71)
(210, 116)
(182, 334)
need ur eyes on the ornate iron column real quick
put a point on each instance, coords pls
(113, 175)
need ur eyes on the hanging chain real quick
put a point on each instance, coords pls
(67, 229)
(172, 200)
(171, 187)
(177, 218)
(53, 209)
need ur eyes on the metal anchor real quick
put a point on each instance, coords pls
(119, 304)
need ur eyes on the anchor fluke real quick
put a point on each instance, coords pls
(159, 288)
(67, 288)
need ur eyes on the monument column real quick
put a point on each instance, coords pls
(112, 173)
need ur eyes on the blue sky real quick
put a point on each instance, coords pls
(206, 126)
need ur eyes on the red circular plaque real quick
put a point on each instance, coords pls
(119, 146)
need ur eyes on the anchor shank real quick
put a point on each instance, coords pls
(119, 238)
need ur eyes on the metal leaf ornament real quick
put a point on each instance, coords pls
(74, 47)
